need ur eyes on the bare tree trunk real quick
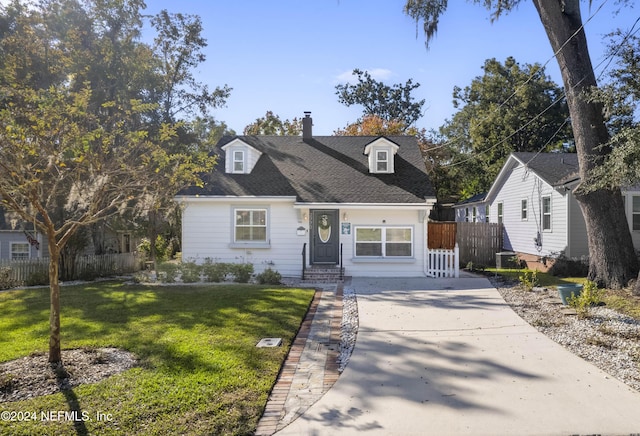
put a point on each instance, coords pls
(55, 353)
(612, 259)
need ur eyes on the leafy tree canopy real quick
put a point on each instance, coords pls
(89, 121)
(271, 124)
(509, 108)
(391, 103)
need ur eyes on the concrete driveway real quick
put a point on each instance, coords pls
(449, 357)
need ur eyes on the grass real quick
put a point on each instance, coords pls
(620, 300)
(199, 373)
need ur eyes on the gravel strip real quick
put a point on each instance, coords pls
(606, 338)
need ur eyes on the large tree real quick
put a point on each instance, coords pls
(271, 124)
(509, 108)
(612, 259)
(79, 141)
(391, 103)
(621, 97)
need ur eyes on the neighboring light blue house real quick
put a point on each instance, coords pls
(18, 240)
(472, 210)
(532, 197)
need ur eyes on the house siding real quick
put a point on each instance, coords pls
(577, 230)
(207, 233)
(7, 237)
(520, 234)
(400, 267)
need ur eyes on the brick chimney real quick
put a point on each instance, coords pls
(307, 126)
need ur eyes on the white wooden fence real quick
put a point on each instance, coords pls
(443, 263)
(36, 271)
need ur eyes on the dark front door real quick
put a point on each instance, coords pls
(324, 236)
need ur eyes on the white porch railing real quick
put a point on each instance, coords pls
(443, 263)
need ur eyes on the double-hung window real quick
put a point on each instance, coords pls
(384, 241)
(19, 251)
(523, 210)
(382, 161)
(546, 213)
(500, 212)
(238, 161)
(250, 225)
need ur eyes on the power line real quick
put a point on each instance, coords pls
(531, 77)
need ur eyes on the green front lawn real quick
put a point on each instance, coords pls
(199, 372)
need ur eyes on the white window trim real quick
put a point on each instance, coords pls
(241, 161)
(250, 244)
(383, 242)
(487, 213)
(524, 212)
(542, 214)
(500, 212)
(386, 161)
(12, 251)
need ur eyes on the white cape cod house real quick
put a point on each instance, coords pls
(294, 202)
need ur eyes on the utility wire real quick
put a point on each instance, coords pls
(531, 77)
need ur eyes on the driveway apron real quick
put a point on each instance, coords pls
(449, 357)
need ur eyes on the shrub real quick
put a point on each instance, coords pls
(214, 271)
(528, 280)
(191, 272)
(241, 272)
(590, 296)
(38, 278)
(6, 281)
(163, 248)
(168, 272)
(269, 277)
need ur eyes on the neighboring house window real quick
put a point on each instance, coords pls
(382, 161)
(384, 241)
(475, 214)
(238, 161)
(635, 212)
(546, 213)
(523, 210)
(250, 225)
(466, 214)
(19, 251)
(487, 209)
(500, 212)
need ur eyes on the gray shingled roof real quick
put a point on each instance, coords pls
(553, 168)
(323, 169)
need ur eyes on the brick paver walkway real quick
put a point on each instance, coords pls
(311, 367)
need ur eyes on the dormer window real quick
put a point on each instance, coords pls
(238, 161)
(240, 157)
(381, 153)
(382, 161)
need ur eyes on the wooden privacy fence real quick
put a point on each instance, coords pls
(36, 271)
(479, 242)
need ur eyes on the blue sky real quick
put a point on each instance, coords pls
(287, 56)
